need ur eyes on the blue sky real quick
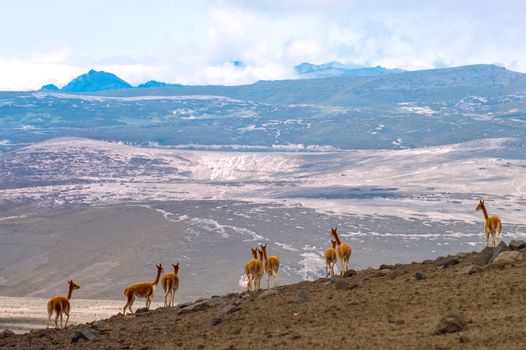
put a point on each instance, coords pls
(194, 42)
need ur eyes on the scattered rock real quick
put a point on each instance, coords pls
(214, 321)
(501, 247)
(468, 270)
(462, 255)
(507, 258)
(463, 339)
(399, 270)
(448, 262)
(302, 296)
(397, 322)
(98, 323)
(85, 334)
(142, 310)
(344, 285)
(484, 257)
(386, 267)
(516, 244)
(451, 322)
(349, 273)
(384, 272)
(117, 316)
(228, 309)
(268, 293)
(183, 305)
(194, 307)
(6, 334)
(223, 314)
(420, 276)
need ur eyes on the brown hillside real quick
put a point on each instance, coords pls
(374, 309)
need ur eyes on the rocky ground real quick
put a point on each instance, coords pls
(466, 301)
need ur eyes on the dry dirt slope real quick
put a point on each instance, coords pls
(374, 309)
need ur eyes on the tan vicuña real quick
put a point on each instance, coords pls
(271, 266)
(170, 283)
(492, 225)
(344, 251)
(61, 304)
(141, 290)
(330, 259)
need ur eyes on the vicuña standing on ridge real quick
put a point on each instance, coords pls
(330, 259)
(61, 304)
(253, 270)
(343, 251)
(141, 290)
(170, 283)
(271, 266)
(491, 225)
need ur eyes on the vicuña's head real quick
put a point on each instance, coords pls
(480, 205)
(333, 243)
(334, 230)
(160, 268)
(73, 285)
(264, 248)
(176, 268)
(254, 253)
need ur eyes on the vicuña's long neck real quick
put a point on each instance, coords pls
(264, 255)
(338, 242)
(156, 282)
(485, 212)
(70, 292)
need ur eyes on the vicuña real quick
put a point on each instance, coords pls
(253, 270)
(170, 283)
(271, 266)
(330, 259)
(492, 226)
(61, 304)
(141, 290)
(343, 251)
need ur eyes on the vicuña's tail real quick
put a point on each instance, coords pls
(126, 292)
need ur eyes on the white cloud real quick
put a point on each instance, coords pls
(195, 46)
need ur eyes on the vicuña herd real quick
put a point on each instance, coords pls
(255, 269)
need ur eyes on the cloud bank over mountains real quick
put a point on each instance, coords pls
(238, 42)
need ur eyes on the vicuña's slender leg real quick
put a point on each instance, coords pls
(275, 278)
(67, 319)
(61, 318)
(132, 299)
(49, 314)
(166, 297)
(128, 303)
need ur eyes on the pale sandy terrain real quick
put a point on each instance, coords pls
(23, 314)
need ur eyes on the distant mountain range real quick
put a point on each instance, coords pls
(336, 69)
(95, 81)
